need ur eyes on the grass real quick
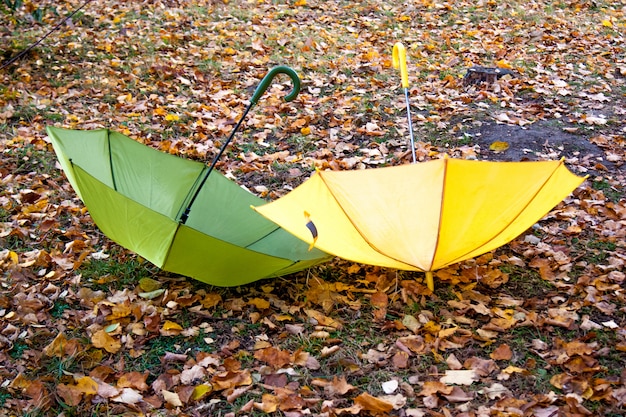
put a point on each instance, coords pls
(115, 272)
(28, 159)
(144, 50)
(610, 192)
(523, 280)
(154, 349)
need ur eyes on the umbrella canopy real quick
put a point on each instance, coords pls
(421, 217)
(137, 195)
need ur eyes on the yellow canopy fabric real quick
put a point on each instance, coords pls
(424, 216)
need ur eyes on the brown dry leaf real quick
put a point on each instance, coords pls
(133, 380)
(379, 300)
(545, 268)
(71, 395)
(400, 360)
(274, 357)
(459, 396)
(269, 403)
(435, 387)
(414, 343)
(502, 353)
(483, 367)
(231, 379)
(322, 319)
(338, 387)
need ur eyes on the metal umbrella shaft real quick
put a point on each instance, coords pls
(265, 83)
(399, 62)
(408, 115)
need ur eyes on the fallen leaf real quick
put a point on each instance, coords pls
(103, 340)
(502, 353)
(171, 398)
(372, 404)
(128, 396)
(499, 146)
(459, 377)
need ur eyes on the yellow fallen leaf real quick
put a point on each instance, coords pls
(87, 385)
(499, 146)
(200, 391)
(260, 303)
(607, 23)
(503, 64)
(103, 340)
(149, 284)
(170, 328)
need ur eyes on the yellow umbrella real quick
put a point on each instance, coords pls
(421, 217)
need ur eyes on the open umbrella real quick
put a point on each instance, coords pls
(421, 217)
(173, 213)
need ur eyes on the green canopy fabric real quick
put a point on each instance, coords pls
(136, 195)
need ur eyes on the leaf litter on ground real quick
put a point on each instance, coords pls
(535, 328)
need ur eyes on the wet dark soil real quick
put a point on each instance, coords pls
(541, 140)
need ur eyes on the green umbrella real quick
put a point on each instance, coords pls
(173, 213)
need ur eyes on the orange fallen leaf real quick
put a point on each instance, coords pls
(372, 404)
(260, 303)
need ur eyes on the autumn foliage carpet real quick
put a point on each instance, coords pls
(535, 328)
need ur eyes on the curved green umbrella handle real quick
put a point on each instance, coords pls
(267, 81)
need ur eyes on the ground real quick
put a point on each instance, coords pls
(536, 327)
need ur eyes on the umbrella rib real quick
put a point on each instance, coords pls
(441, 203)
(111, 160)
(460, 258)
(370, 244)
(263, 237)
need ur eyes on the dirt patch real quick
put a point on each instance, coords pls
(539, 141)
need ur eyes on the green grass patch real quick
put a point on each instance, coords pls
(116, 272)
(611, 193)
